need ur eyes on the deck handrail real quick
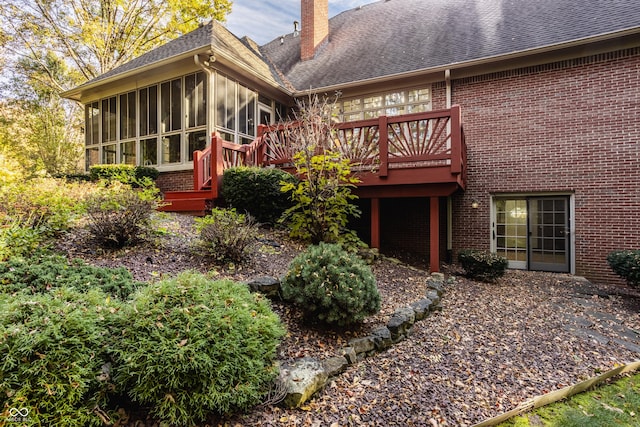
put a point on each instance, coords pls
(428, 139)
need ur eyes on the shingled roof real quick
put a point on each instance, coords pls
(391, 37)
(212, 36)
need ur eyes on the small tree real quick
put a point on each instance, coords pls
(322, 198)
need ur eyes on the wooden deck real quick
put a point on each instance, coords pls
(413, 155)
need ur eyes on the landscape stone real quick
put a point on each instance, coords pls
(266, 285)
(433, 296)
(421, 308)
(302, 379)
(350, 354)
(335, 365)
(382, 338)
(401, 322)
(362, 345)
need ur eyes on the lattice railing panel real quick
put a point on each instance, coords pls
(420, 138)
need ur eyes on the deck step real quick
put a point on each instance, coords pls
(188, 194)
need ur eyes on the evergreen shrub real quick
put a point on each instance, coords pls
(257, 191)
(126, 174)
(119, 215)
(226, 234)
(43, 272)
(331, 285)
(54, 361)
(482, 265)
(626, 264)
(191, 346)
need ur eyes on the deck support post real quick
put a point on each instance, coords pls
(434, 234)
(375, 223)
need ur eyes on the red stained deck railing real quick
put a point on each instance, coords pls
(419, 148)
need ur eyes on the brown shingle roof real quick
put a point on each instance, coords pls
(399, 36)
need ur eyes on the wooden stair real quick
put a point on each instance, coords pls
(193, 202)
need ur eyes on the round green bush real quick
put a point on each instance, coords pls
(626, 264)
(482, 265)
(331, 285)
(257, 191)
(191, 346)
(54, 365)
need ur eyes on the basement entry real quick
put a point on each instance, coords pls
(533, 233)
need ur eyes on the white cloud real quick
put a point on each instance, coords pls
(264, 21)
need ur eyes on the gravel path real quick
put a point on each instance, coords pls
(490, 348)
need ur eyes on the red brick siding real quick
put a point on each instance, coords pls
(571, 127)
(175, 181)
(315, 26)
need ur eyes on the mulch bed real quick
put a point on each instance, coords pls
(490, 348)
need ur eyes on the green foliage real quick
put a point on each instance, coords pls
(626, 264)
(53, 350)
(48, 204)
(18, 240)
(119, 215)
(322, 199)
(191, 346)
(226, 234)
(257, 191)
(126, 174)
(43, 272)
(331, 285)
(482, 265)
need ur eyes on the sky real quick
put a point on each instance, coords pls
(265, 20)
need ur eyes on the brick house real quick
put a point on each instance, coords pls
(544, 168)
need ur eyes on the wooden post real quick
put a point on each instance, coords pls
(217, 164)
(434, 234)
(456, 140)
(383, 133)
(375, 223)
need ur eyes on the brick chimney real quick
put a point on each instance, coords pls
(315, 26)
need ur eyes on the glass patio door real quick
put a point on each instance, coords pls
(533, 232)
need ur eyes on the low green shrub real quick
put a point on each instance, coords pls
(54, 363)
(226, 234)
(257, 191)
(331, 285)
(19, 240)
(323, 200)
(119, 215)
(482, 265)
(50, 205)
(191, 346)
(626, 264)
(44, 272)
(126, 174)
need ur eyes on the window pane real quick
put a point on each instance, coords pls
(128, 115)
(176, 104)
(231, 105)
(153, 110)
(92, 123)
(128, 152)
(221, 98)
(192, 99)
(149, 152)
(165, 106)
(251, 113)
(92, 157)
(197, 141)
(143, 105)
(109, 154)
(109, 119)
(201, 90)
(171, 149)
(242, 109)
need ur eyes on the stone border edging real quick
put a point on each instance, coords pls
(306, 376)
